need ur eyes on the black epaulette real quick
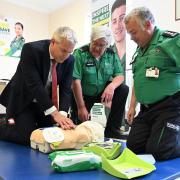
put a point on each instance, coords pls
(84, 48)
(170, 34)
(110, 50)
(22, 38)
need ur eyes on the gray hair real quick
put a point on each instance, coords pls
(101, 32)
(141, 14)
(65, 32)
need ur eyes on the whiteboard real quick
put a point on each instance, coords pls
(8, 66)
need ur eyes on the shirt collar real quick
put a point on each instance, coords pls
(156, 35)
(51, 57)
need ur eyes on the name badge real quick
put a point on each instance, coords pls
(152, 72)
(90, 64)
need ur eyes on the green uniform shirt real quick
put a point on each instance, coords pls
(15, 45)
(122, 61)
(162, 53)
(94, 74)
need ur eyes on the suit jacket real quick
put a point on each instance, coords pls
(30, 79)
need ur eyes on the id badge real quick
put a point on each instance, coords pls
(152, 72)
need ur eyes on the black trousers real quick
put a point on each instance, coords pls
(156, 129)
(114, 120)
(25, 122)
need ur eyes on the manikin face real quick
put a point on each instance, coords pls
(61, 50)
(140, 35)
(18, 30)
(97, 47)
(117, 23)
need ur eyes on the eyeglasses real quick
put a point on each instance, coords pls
(99, 45)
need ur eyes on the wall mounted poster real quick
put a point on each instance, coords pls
(5, 37)
(101, 12)
(8, 64)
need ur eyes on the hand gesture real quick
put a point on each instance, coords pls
(108, 94)
(63, 121)
(83, 114)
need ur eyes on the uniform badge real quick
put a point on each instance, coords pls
(152, 72)
(90, 64)
(170, 34)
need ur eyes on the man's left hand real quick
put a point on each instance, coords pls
(108, 94)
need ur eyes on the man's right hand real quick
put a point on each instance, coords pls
(132, 110)
(83, 114)
(130, 115)
(63, 121)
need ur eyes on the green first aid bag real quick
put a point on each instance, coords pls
(75, 160)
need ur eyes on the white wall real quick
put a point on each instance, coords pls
(77, 15)
(35, 23)
(164, 12)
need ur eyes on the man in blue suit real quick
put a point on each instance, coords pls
(27, 97)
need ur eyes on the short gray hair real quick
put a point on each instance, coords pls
(65, 32)
(101, 32)
(141, 14)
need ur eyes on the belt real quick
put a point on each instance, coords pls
(148, 106)
(176, 95)
(154, 104)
